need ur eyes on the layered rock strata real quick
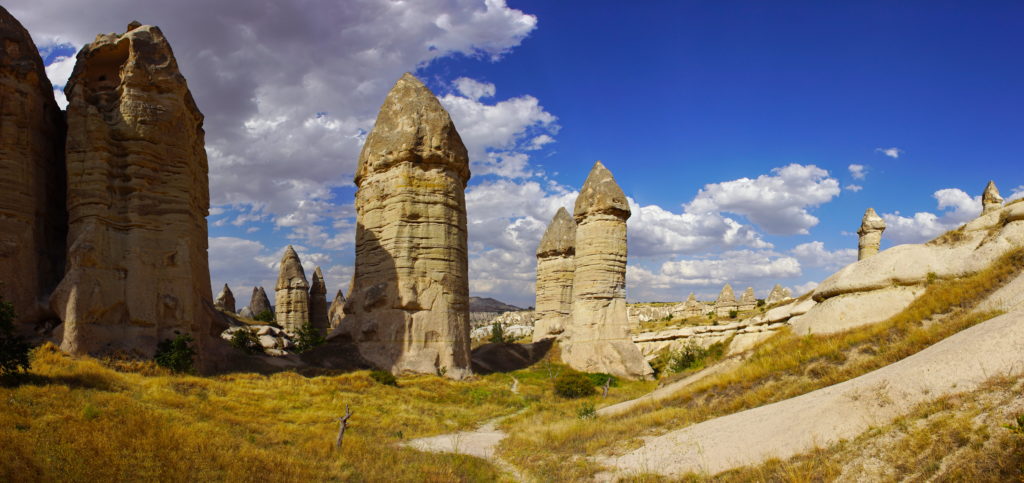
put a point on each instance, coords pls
(225, 300)
(870, 232)
(748, 300)
(726, 302)
(337, 310)
(291, 293)
(778, 294)
(990, 199)
(690, 308)
(597, 337)
(318, 302)
(137, 199)
(33, 215)
(408, 307)
(555, 267)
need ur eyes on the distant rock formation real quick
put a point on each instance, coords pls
(138, 197)
(726, 302)
(259, 302)
(990, 199)
(318, 302)
(690, 308)
(337, 310)
(555, 276)
(225, 300)
(33, 214)
(291, 293)
(487, 304)
(748, 301)
(871, 228)
(776, 295)
(408, 309)
(597, 337)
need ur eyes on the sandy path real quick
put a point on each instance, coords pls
(842, 411)
(480, 442)
(669, 390)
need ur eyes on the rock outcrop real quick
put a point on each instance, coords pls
(138, 197)
(33, 215)
(775, 296)
(726, 302)
(318, 317)
(555, 267)
(408, 308)
(259, 302)
(337, 310)
(748, 300)
(690, 308)
(597, 337)
(870, 232)
(225, 300)
(291, 293)
(990, 199)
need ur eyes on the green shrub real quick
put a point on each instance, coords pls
(598, 379)
(573, 385)
(586, 411)
(384, 377)
(245, 340)
(308, 337)
(733, 314)
(498, 335)
(1017, 428)
(265, 316)
(176, 354)
(13, 349)
(690, 356)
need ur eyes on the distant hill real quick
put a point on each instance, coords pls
(487, 304)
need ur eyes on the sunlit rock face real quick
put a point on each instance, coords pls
(337, 311)
(33, 215)
(408, 307)
(137, 199)
(870, 233)
(225, 299)
(597, 337)
(291, 293)
(555, 268)
(990, 199)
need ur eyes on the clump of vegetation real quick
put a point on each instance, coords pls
(599, 379)
(733, 314)
(586, 411)
(308, 337)
(572, 385)
(246, 341)
(498, 335)
(384, 377)
(265, 316)
(13, 349)
(951, 237)
(1018, 427)
(177, 354)
(689, 357)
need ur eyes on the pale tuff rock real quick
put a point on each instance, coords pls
(775, 296)
(597, 337)
(408, 308)
(225, 300)
(990, 199)
(787, 293)
(726, 302)
(137, 270)
(259, 302)
(33, 215)
(690, 308)
(318, 317)
(871, 228)
(640, 313)
(748, 300)
(555, 267)
(291, 293)
(336, 312)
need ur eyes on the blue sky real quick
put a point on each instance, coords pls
(750, 136)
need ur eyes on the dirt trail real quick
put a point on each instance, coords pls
(959, 363)
(480, 442)
(668, 390)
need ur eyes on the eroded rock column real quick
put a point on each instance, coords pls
(33, 215)
(318, 302)
(870, 232)
(337, 310)
(408, 308)
(291, 293)
(225, 300)
(137, 202)
(597, 338)
(990, 199)
(555, 267)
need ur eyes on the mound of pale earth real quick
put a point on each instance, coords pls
(842, 411)
(480, 442)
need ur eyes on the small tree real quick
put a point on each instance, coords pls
(498, 335)
(265, 316)
(176, 354)
(13, 349)
(308, 337)
(245, 340)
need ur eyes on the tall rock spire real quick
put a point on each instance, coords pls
(33, 215)
(990, 199)
(408, 308)
(337, 310)
(318, 302)
(260, 303)
(870, 232)
(138, 198)
(597, 337)
(225, 300)
(291, 293)
(554, 276)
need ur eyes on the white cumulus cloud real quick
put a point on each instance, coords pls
(923, 226)
(858, 171)
(893, 152)
(814, 254)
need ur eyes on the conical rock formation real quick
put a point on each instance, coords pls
(748, 300)
(33, 215)
(777, 295)
(870, 232)
(291, 293)
(990, 199)
(597, 337)
(259, 302)
(555, 268)
(225, 299)
(408, 307)
(318, 302)
(337, 310)
(138, 197)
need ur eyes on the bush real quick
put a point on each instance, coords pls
(598, 379)
(384, 377)
(690, 356)
(733, 314)
(176, 354)
(573, 385)
(13, 349)
(498, 335)
(308, 337)
(586, 411)
(265, 316)
(245, 340)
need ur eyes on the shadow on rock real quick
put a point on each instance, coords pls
(491, 358)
